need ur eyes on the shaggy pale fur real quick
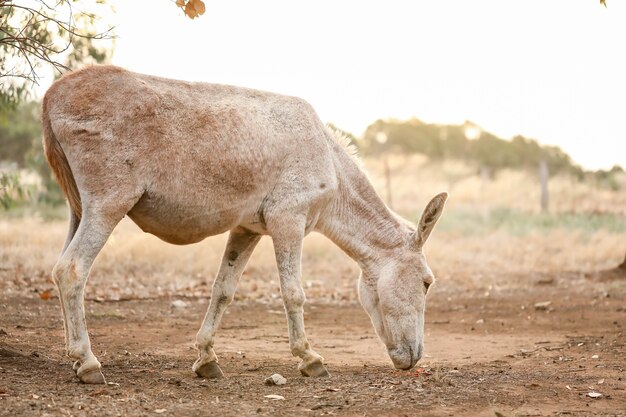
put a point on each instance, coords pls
(190, 160)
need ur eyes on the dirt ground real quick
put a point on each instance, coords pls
(497, 354)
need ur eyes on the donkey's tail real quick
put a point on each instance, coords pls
(58, 162)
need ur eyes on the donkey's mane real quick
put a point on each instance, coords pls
(350, 148)
(346, 143)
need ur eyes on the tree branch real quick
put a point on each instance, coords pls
(43, 36)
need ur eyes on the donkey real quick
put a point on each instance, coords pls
(190, 160)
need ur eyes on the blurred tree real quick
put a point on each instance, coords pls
(11, 190)
(21, 135)
(35, 35)
(20, 147)
(470, 143)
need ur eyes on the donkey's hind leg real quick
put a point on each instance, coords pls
(240, 246)
(70, 274)
(73, 226)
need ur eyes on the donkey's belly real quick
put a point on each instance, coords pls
(181, 223)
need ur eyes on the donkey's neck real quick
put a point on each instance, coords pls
(357, 220)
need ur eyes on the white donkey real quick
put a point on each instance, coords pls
(189, 160)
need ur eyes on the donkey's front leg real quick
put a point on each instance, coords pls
(240, 246)
(288, 248)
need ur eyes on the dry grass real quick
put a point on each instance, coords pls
(473, 248)
(415, 180)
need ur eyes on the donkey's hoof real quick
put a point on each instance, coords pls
(315, 369)
(93, 376)
(209, 370)
(76, 366)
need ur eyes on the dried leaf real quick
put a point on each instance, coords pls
(190, 10)
(46, 295)
(274, 397)
(422, 371)
(199, 6)
(180, 3)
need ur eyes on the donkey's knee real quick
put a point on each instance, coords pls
(68, 276)
(293, 297)
(224, 292)
(64, 274)
(60, 270)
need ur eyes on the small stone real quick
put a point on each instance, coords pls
(276, 379)
(594, 394)
(179, 304)
(542, 305)
(595, 357)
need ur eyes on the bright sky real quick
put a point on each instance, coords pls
(551, 70)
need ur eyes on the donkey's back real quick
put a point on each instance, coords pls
(185, 160)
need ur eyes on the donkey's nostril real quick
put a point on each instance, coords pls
(413, 361)
(415, 355)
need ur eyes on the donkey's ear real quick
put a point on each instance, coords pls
(431, 214)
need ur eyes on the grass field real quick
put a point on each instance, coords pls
(489, 228)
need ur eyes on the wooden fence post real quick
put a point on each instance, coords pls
(388, 180)
(543, 178)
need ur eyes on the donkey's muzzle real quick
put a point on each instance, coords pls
(404, 356)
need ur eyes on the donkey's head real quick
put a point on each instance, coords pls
(394, 292)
